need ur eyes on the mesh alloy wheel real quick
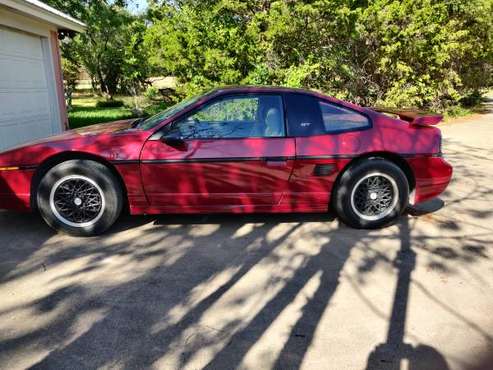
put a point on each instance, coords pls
(77, 201)
(374, 196)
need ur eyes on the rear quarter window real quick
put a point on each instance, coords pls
(310, 116)
(337, 119)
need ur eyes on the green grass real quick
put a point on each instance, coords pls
(85, 112)
(85, 116)
(457, 111)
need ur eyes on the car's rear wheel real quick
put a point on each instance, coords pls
(79, 197)
(371, 193)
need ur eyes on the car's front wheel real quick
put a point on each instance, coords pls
(79, 197)
(371, 193)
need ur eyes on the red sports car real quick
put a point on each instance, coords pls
(238, 150)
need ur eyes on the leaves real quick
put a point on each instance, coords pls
(427, 53)
(111, 49)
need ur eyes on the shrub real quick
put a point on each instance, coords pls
(152, 93)
(155, 108)
(109, 103)
(471, 100)
(426, 53)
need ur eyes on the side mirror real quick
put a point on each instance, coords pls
(176, 142)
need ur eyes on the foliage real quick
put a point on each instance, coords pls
(199, 47)
(471, 100)
(70, 73)
(155, 108)
(111, 48)
(457, 111)
(426, 53)
(400, 53)
(152, 93)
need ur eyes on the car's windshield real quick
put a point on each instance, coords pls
(153, 121)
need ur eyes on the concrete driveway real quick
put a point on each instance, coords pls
(261, 292)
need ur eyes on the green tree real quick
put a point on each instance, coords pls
(413, 52)
(70, 75)
(201, 43)
(111, 49)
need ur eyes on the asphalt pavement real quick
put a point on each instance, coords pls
(261, 291)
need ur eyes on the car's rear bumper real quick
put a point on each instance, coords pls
(432, 174)
(15, 189)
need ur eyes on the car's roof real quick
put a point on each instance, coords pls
(255, 88)
(281, 89)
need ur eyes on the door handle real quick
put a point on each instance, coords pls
(276, 162)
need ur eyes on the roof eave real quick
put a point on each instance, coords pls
(43, 12)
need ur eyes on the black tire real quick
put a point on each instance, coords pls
(355, 191)
(94, 190)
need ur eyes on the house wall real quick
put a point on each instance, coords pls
(57, 66)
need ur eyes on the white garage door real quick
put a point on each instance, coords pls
(27, 101)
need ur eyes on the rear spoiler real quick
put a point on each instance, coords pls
(414, 117)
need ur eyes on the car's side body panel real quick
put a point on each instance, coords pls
(131, 177)
(15, 188)
(312, 182)
(217, 173)
(112, 143)
(291, 174)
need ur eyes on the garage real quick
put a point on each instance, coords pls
(32, 102)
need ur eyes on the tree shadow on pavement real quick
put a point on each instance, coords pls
(389, 355)
(126, 313)
(210, 291)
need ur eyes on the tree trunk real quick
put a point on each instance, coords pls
(102, 83)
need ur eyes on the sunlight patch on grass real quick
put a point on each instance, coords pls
(84, 113)
(80, 117)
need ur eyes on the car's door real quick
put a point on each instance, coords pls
(328, 136)
(232, 153)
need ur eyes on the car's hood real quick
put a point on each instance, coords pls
(109, 140)
(115, 127)
(107, 127)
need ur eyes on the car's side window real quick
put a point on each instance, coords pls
(236, 116)
(337, 119)
(309, 116)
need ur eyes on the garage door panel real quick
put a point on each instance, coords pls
(19, 73)
(18, 131)
(20, 44)
(27, 97)
(19, 106)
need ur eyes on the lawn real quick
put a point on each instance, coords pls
(85, 112)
